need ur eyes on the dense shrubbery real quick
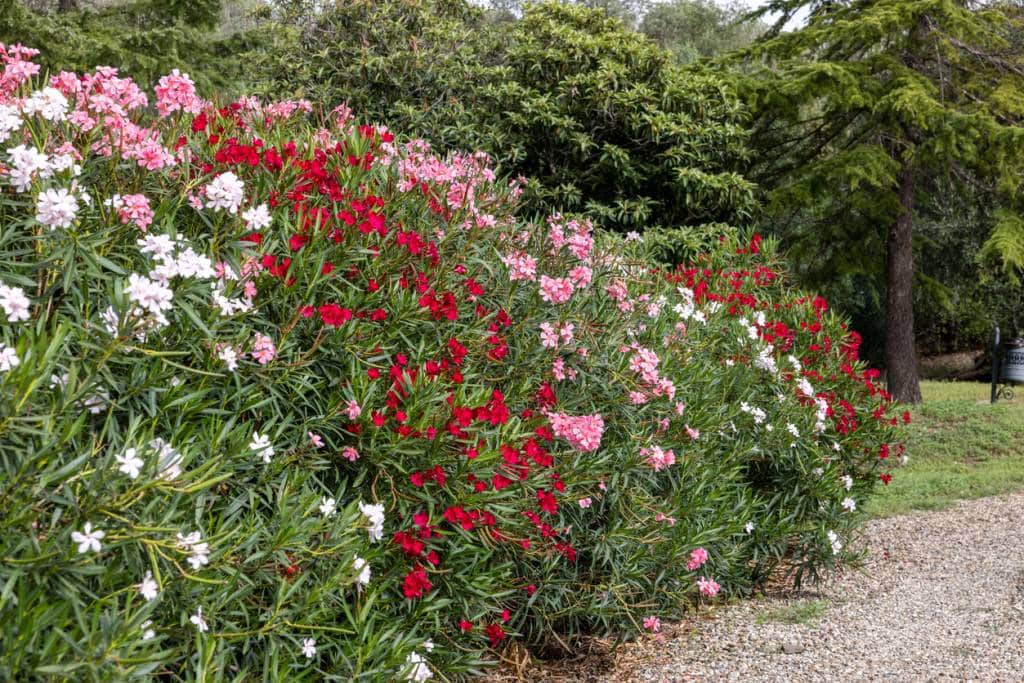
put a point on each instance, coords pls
(144, 39)
(293, 400)
(596, 117)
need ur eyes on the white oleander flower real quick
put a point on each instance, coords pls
(147, 632)
(230, 358)
(375, 515)
(149, 295)
(328, 507)
(56, 208)
(257, 217)
(225, 191)
(8, 358)
(129, 463)
(419, 671)
(10, 121)
(199, 622)
(14, 302)
(363, 567)
(261, 445)
(89, 539)
(160, 246)
(49, 103)
(149, 587)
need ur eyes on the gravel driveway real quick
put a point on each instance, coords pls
(941, 598)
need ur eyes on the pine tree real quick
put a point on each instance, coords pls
(864, 102)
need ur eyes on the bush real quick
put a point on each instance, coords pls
(596, 116)
(144, 39)
(290, 399)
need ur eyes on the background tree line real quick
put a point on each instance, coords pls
(879, 141)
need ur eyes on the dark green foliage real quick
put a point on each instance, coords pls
(961, 292)
(861, 84)
(143, 39)
(691, 29)
(869, 95)
(595, 116)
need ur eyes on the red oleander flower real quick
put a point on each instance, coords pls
(416, 584)
(495, 633)
(334, 315)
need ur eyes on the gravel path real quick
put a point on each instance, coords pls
(940, 598)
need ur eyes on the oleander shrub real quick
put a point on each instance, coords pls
(285, 398)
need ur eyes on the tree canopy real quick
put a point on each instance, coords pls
(143, 39)
(855, 114)
(693, 29)
(597, 117)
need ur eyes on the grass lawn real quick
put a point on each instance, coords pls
(959, 447)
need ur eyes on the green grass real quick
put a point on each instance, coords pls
(800, 612)
(959, 447)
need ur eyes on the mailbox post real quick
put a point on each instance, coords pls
(995, 364)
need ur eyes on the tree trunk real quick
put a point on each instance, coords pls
(900, 358)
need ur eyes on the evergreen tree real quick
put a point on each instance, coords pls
(860, 106)
(143, 39)
(597, 117)
(692, 29)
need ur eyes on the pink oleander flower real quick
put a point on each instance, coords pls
(581, 276)
(548, 336)
(350, 453)
(134, 208)
(582, 242)
(556, 233)
(263, 349)
(616, 290)
(680, 408)
(555, 290)
(637, 398)
(521, 266)
(17, 67)
(353, 410)
(584, 503)
(692, 433)
(315, 439)
(177, 92)
(284, 109)
(652, 624)
(558, 369)
(566, 332)
(583, 432)
(662, 517)
(666, 388)
(698, 557)
(708, 587)
(658, 458)
(150, 154)
(644, 362)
